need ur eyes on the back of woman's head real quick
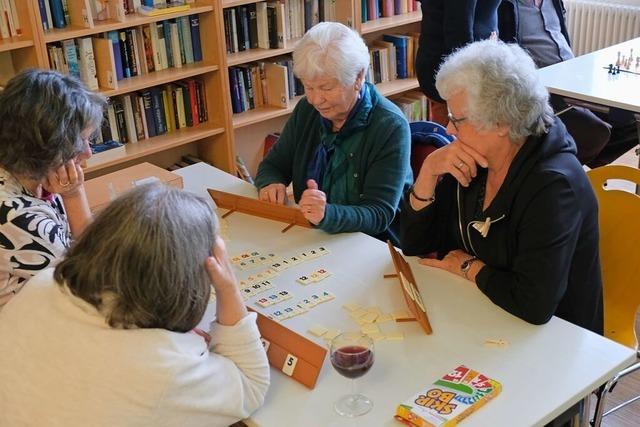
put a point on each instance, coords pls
(141, 262)
(42, 114)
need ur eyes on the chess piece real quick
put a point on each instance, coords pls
(618, 61)
(610, 68)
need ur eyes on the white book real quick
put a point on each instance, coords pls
(129, 119)
(136, 51)
(8, 15)
(145, 126)
(16, 18)
(175, 44)
(4, 23)
(234, 31)
(47, 9)
(155, 47)
(87, 63)
(162, 46)
(113, 123)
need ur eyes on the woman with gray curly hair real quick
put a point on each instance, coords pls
(514, 211)
(46, 120)
(345, 148)
(108, 337)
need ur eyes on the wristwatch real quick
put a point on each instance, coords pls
(466, 265)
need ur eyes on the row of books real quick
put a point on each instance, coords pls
(155, 111)
(376, 9)
(269, 24)
(413, 105)
(55, 13)
(259, 84)
(9, 19)
(116, 55)
(392, 58)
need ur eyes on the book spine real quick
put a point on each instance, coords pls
(166, 29)
(87, 63)
(120, 120)
(43, 15)
(57, 14)
(125, 55)
(175, 45)
(185, 30)
(138, 113)
(158, 111)
(16, 17)
(195, 37)
(129, 119)
(193, 101)
(149, 113)
(113, 122)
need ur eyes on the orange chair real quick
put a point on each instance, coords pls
(619, 217)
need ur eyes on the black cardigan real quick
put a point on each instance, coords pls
(541, 254)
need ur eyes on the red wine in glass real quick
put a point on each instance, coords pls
(352, 361)
(352, 356)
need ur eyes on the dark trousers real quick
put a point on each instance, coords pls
(600, 138)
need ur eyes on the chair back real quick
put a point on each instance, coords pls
(426, 137)
(619, 217)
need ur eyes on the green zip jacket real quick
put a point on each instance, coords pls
(376, 144)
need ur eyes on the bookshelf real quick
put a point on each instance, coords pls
(218, 139)
(211, 140)
(251, 126)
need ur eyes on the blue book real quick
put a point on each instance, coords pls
(235, 91)
(195, 37)
(149, 113)
(117, 53)
(158, 111)
(57, 13)
(400, 42)
(71, 56)
(43, 14)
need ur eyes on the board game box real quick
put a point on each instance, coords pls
(448, 400)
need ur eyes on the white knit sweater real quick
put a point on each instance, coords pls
(62, 365)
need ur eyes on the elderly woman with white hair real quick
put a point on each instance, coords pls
(109, 337)
(345, 148)
(514, 211)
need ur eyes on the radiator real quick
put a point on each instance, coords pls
(594, 25)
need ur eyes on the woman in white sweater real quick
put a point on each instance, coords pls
(108, 338)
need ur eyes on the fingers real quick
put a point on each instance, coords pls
(273, 193)
(63, 176)
(474, 154)
(430, 262)
(312, 185)
(218, 266)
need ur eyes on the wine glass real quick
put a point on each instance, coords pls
(352, 356)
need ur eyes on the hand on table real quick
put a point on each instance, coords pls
(274, 193)
(451, 262)
(313, 203)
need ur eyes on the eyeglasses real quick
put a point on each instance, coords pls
(454, 121)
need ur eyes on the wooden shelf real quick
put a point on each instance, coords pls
(261, 114)
(150, 146)
(258, 54)
(156, 78)
(232, 3)
(397, 86)
(14, 43)
(258, 115)
(390, 22)
(132, 20)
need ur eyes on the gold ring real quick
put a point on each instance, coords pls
(65, 184)
(459, 165)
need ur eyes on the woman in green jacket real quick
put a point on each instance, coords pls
(345, 148)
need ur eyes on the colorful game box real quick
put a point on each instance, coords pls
(449, 400)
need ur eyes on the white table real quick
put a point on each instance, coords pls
(544, 370)
(585, 78)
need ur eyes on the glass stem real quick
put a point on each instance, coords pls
(354, 391)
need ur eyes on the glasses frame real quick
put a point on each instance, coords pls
(454, 121)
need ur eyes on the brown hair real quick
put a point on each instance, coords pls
(141, 262)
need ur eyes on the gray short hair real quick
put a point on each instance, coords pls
(502, 86)
(141, 262)
(42, 115)
(331, 49)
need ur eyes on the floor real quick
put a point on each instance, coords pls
(629, 387)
